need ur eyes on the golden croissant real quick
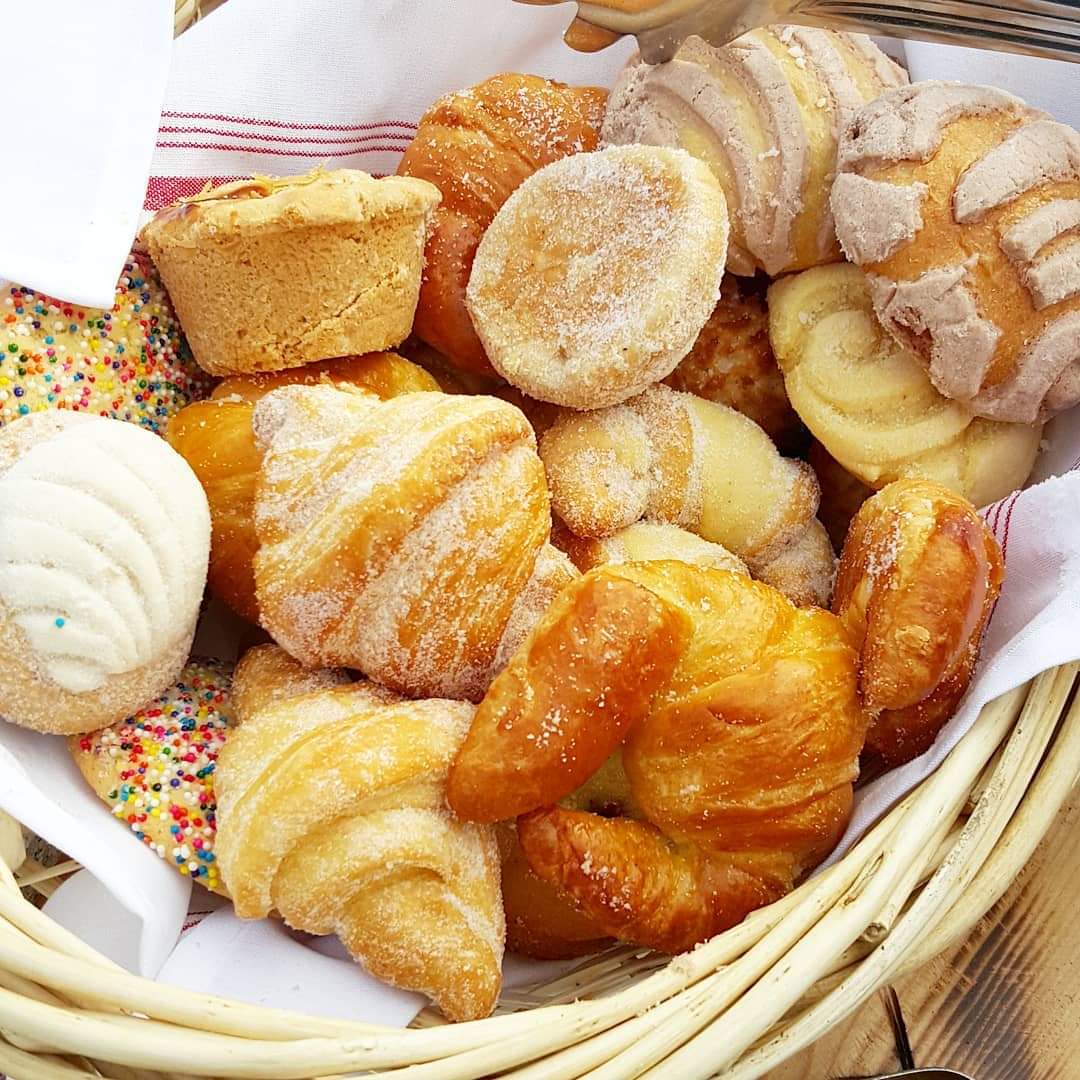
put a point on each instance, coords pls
(216, 440)
(918, 579)
(396, 536)
(332, 812)
(736, 726)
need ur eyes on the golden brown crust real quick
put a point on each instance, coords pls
(396, 536)
(732, 363)
(476, 146)
(541, 922)
(216, 440)
(332, 810)
(919, 576)
(552, 718)
(755, 678)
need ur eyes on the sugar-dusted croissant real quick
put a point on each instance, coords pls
(732, 362)
(476, 146)
(750, 679)
(395, 536)
(870, 401)
(332, 811)
(764, 111)
(676, 458)
(215, 439)
(963, 204)
(918, 578)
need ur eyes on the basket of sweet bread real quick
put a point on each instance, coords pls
(611, 541)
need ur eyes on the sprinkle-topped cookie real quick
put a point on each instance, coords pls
(129, 363)
(156, 769)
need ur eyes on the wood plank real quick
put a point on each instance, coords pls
(1002, 1005)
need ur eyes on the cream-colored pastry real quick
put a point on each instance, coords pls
(598, 273)
(963, 206)
(104, 541)
(646, 541)
(869, 401)
(764, 112)
(271, 274)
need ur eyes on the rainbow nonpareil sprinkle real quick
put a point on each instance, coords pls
(163, 760)
(130, 363)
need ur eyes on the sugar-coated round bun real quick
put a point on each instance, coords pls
(104, 541)
(129, 363)
(155, 769)
(598, 273)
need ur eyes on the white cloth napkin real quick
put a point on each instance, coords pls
(279, 88)
(84, 85)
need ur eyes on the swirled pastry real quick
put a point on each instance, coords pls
(963, 206)
(216, 440)
(919, 576)
(732, 363)
(598, 273)
(332, 811)
(675, 458)
(869, 401)
(764, 112)
(104, 540)
(476, 146)
(748, 676)
(395, 536)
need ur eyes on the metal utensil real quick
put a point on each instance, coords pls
(1049, 28)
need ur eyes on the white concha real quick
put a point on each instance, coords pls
(104, 540)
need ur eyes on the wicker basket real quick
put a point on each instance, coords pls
(736, 1006)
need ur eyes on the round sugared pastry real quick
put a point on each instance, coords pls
(129, 363)
(104, 541)
(763, 112)
(597, 275)
(155, 770)
(962, 204)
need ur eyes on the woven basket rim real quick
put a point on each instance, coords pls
(737, 1006)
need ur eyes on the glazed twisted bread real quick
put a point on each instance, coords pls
(764, 112)
(918, 579)
(703, 674)
(675, 458)
(216, 440)
(395, 536)
(332, 811)
(870, 402)
(476, 147)
(963, 205)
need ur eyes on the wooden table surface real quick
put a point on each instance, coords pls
(1003, 1005)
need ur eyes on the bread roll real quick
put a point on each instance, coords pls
(598, 273)
(963, 204)
(764, 112)
(869, 401)
(476, 146)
